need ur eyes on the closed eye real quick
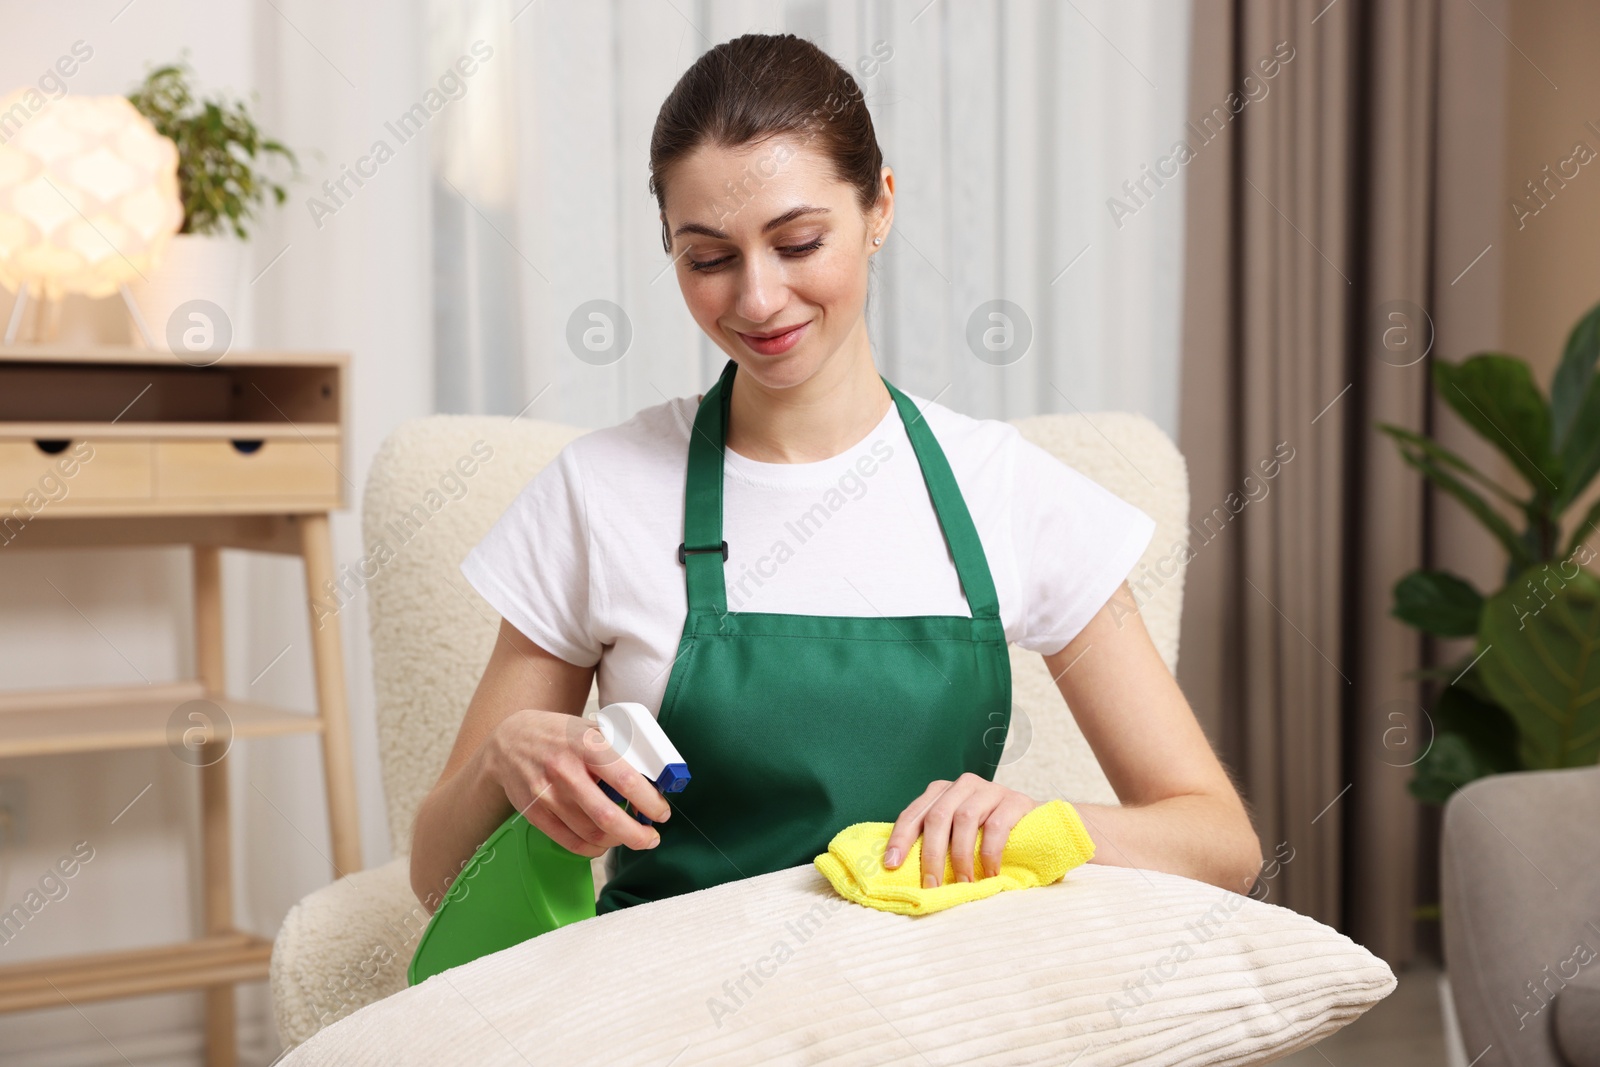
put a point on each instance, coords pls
(792, 251)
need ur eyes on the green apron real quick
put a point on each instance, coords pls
(797, 726)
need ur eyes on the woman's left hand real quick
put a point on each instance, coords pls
(948, 815)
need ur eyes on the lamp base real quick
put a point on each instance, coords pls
(17, 308)
(141, 332)
(43, 317)
(41, 314)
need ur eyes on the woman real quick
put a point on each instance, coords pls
(808, 576)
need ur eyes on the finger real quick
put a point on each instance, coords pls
(936, 828)
(547, 822)
(973, 812)
(909, 825)
(634, 787)
(997, 831)
(565, 824)
(587, 740)
(616, 827)
(608, 764)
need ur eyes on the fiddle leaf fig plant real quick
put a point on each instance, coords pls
(1547, 673)
(1528, 695)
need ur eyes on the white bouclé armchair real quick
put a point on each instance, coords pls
(1141, 966)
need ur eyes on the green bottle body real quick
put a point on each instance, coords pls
(518, 885)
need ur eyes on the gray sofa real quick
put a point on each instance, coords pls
(1520, 899)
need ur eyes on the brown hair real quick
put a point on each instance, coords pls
(759, 86)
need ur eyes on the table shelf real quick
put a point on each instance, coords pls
(69, 429)
(209, 961)
(50, 722)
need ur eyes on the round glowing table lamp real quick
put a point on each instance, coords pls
(88, 200)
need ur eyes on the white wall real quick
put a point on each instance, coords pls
(328, 77)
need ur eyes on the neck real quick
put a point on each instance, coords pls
(816, 419)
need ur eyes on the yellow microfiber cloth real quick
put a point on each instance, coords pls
(1045, 844)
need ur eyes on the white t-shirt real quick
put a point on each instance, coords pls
(585, 560)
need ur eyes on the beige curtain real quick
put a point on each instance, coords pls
(1312, 290)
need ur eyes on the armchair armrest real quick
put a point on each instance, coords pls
(343, 947)
(348, 945)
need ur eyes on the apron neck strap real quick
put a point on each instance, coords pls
(704, 550)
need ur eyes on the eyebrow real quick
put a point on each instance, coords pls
(772, 224)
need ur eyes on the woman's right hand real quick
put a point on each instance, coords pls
(548, 762)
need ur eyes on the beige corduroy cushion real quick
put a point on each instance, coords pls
(1110, 967)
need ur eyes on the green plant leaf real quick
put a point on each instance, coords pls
(1449, 674)
(1459, 674)
(221, 184)
(1472, 738)
(1423, 674)
(1450, 764)
(1446, 458)
(1587, 527)
(1580, 451)
(1438, 602)
(1543, 663)
(1574, 375)
(1496, 523)
(1495, 394)
(1469, 680)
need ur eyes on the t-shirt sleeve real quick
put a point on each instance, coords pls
(534, 564)
(1076, 542)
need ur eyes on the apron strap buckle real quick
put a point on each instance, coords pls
(683, 551)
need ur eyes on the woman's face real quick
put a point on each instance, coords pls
(767, 241)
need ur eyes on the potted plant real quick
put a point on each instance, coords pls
(223, 183)
(1527, 696)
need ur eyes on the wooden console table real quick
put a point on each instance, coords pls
(112, 446)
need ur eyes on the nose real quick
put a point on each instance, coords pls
(761, 290)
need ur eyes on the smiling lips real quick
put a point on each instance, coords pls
(773, 344)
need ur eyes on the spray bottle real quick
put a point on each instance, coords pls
(520, 884)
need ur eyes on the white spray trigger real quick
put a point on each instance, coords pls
(634, 734)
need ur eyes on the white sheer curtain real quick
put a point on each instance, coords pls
(1011, 128)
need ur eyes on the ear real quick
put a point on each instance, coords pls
(884, 209)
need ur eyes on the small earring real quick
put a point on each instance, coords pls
(877, 240)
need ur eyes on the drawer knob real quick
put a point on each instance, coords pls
(51, 446)
(246, 446)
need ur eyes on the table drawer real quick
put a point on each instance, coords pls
(224, 470)
(81, 471)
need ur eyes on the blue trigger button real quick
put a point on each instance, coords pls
(673, 778)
